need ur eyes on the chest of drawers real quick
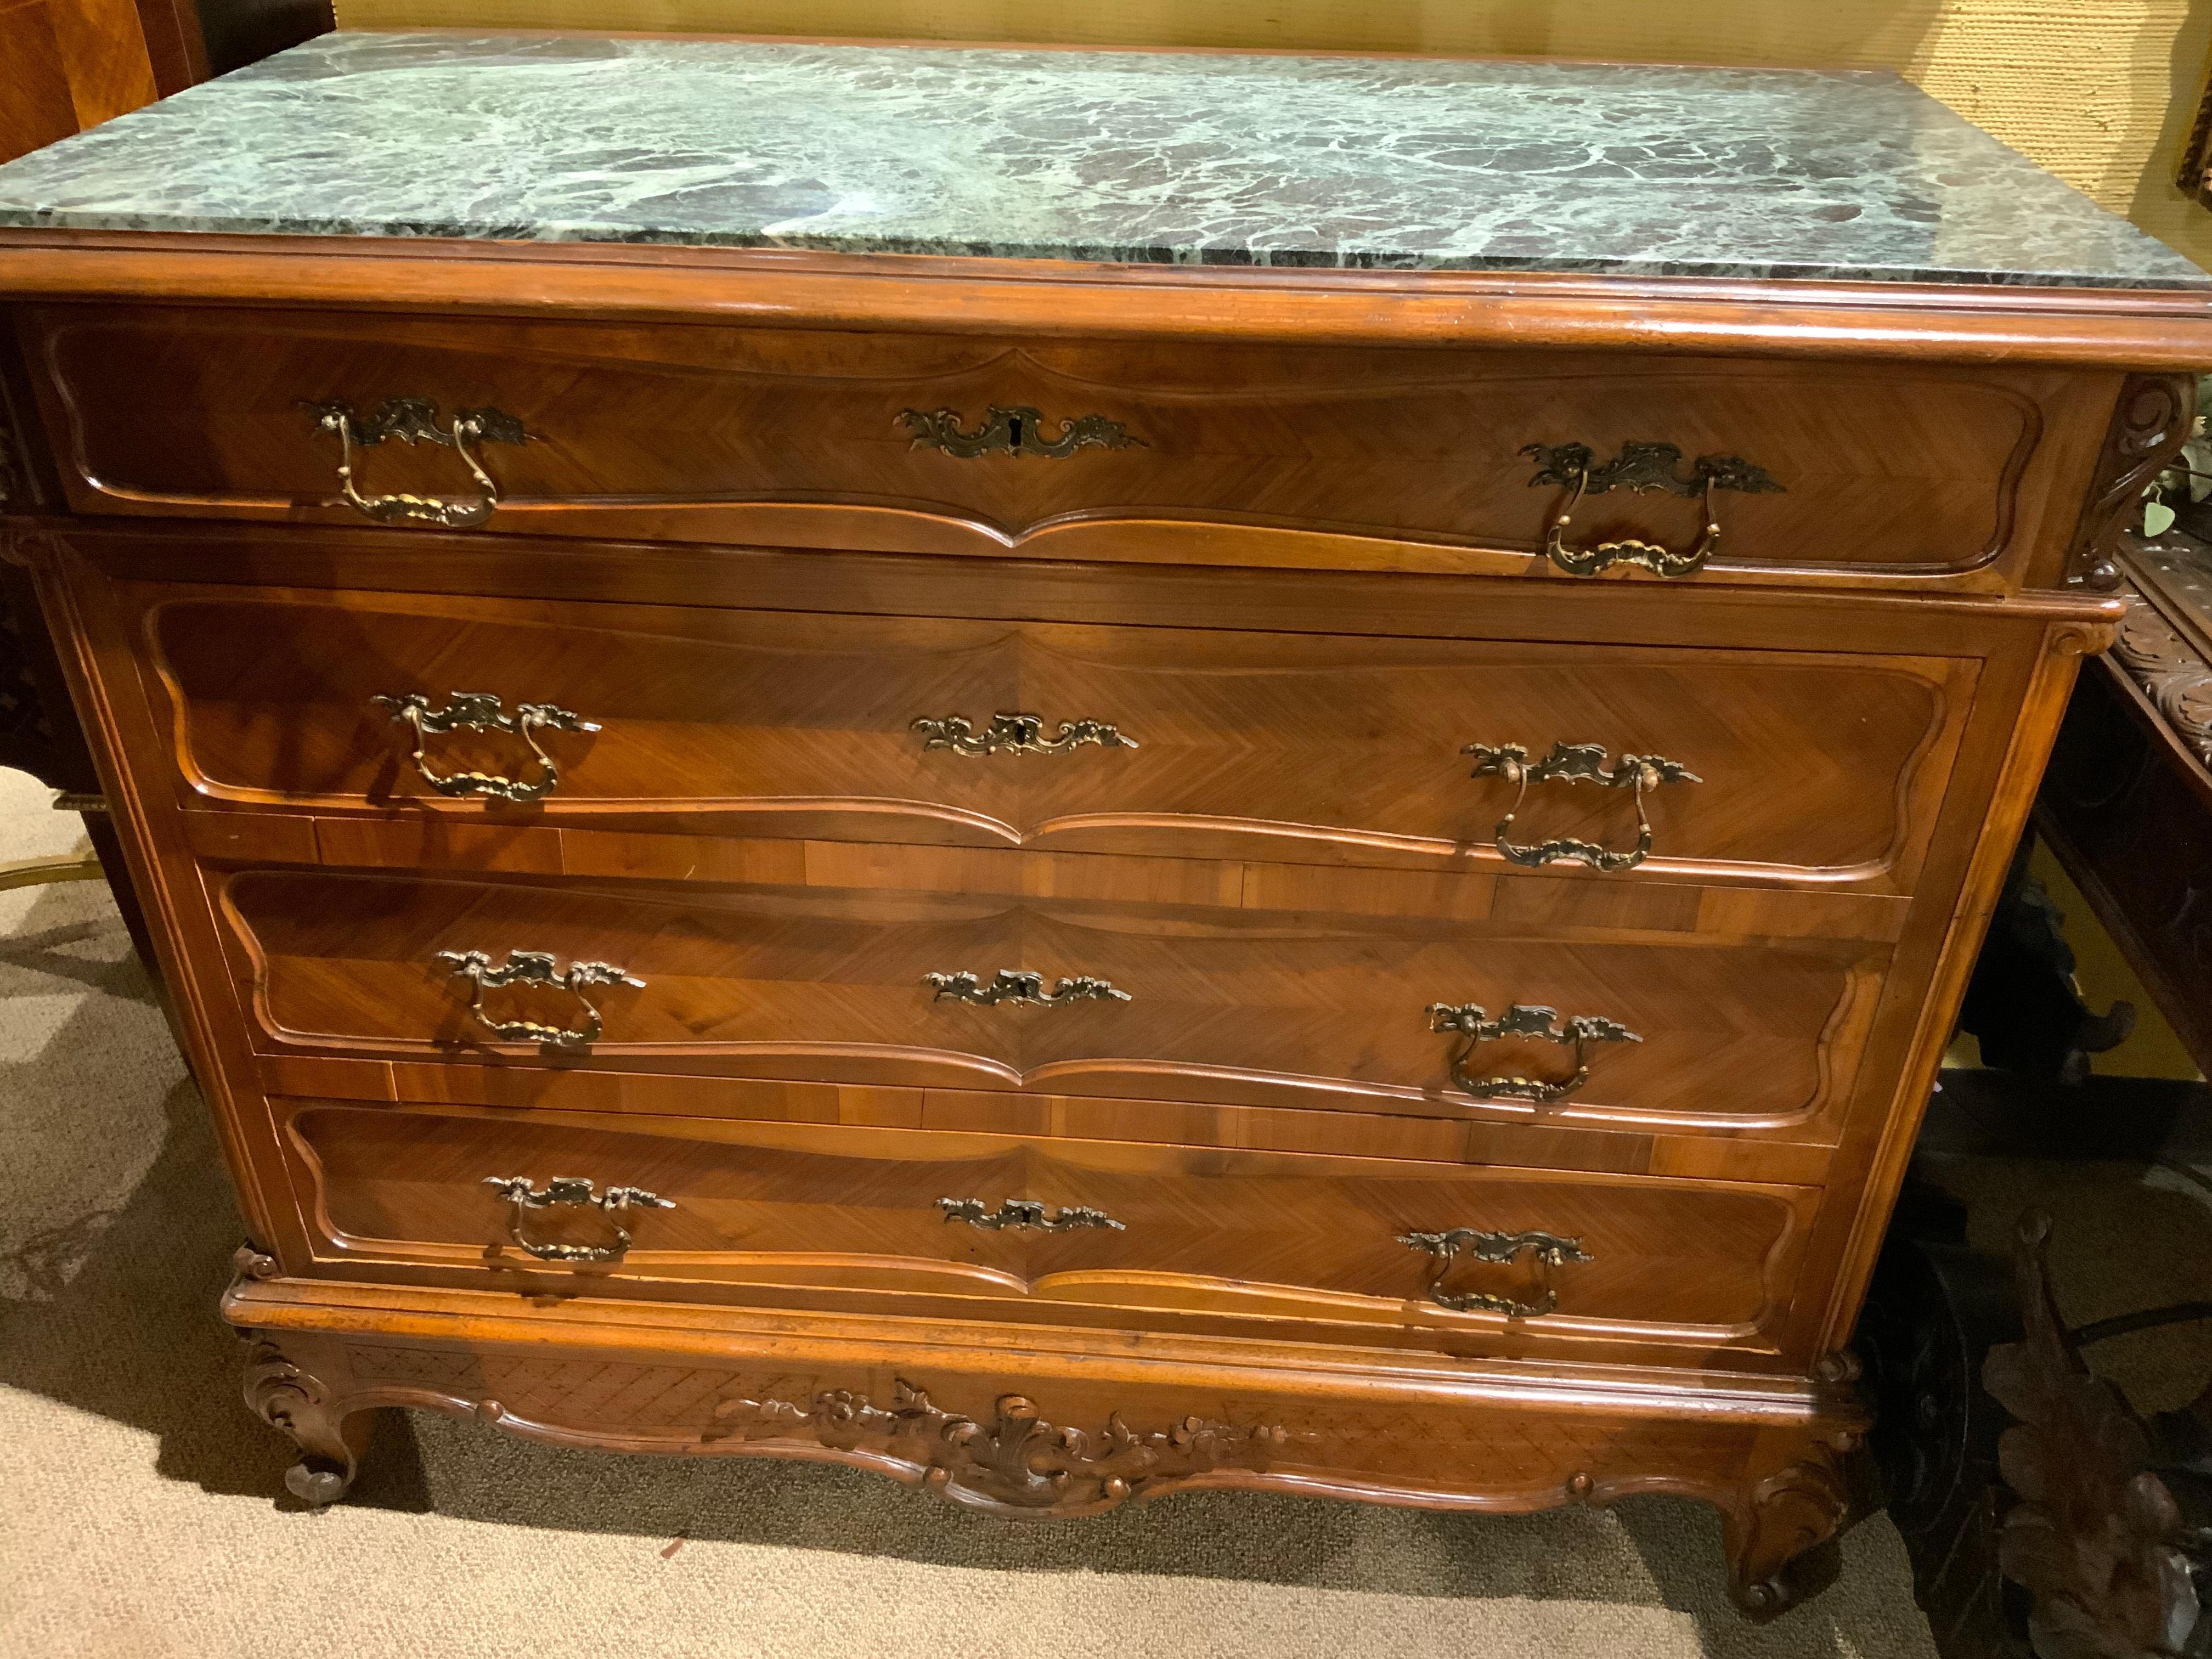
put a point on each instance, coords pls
(1065, 878)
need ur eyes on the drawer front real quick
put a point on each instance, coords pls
(1034, 1230)
(1766, 764)
(1218, 452)
(1147, 1001)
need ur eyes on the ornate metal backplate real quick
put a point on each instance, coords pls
(1527, 1021)
(479, 711)
(536, 968)
(1019, 734)
(1026, 1215)
(1548, 1250)
(1015, 1463)
(575, 1192)
(410, 420)
(1641, 466)
(1575, 762)
(1018, 430)
(1020, 987)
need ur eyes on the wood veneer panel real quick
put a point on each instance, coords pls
(843, 1212)
(37, 109)
(798, 437)
(1282, 1007)
(1251, 743)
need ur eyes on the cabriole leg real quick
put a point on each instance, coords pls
(1793, 1503)
(286, 1395)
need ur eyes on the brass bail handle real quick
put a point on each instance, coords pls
(1641, 466)
(1549, 1250)
(1533, 1021)
(411, 421)
(480, 711)
(1589, 560)
(575, 1192)
(1574, 763)
(536, 968)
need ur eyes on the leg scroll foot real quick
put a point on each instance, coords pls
(286, 1395)
(1781, 1531)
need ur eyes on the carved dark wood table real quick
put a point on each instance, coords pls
(2127, 804)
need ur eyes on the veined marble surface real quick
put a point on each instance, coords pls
(1129, 157)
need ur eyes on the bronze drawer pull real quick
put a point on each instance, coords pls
(1549, 1250)
(536, 968)
(573, 1190)
(1577, 1031)
(1022, 988)
(414, 420)
(1575, 762)
(479, 711)
(1017, 431)
(1019, 1215)
(1019, 734)
(1643, 467)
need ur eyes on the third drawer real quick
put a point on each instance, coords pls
(1435, 1014)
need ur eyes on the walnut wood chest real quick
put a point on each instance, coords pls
(1070, 774)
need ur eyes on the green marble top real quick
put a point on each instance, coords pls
(1154, 158)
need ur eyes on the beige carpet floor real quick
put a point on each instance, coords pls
(142, 1512)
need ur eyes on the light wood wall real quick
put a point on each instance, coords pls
(2095, 90)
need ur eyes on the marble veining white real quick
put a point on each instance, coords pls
(1145, 157)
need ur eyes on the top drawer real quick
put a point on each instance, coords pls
(1235, 453)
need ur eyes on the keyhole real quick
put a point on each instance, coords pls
(1014, 426)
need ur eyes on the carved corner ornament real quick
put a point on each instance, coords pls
(1016, 1463)
(2172, 675)
(32, 548)
(2155, 416)
(286, 1395)
(2096, 1537)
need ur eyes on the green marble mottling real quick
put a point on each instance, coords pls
(1145, 157)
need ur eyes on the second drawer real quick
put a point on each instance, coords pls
(1732, 764)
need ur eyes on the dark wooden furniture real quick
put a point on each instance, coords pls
(2128, 803)
(1062, 881)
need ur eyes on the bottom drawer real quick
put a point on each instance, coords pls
(1057, 1231)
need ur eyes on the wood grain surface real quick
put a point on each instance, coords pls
(728, 435)
(1271, 745)
(848, 1219)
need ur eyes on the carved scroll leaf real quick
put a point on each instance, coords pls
(2156, 415)
(2176, 679)
(2096, 1535)
(1016, 1463)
